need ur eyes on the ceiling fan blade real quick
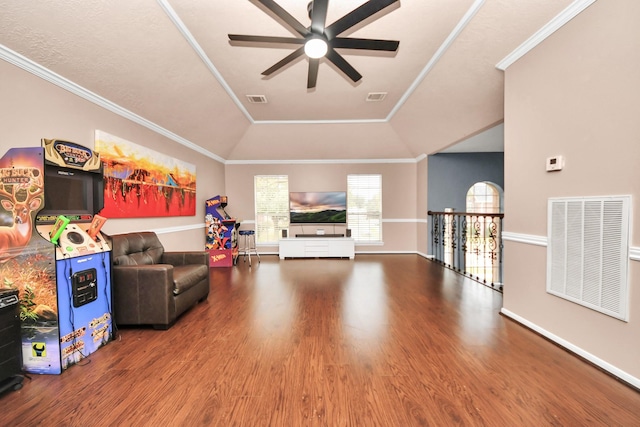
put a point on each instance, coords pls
(265, 39)
(343, 65)
(368, 44)
(318, 15)
(314, 64)
(287, 59)
(355, 16)
(285, 16)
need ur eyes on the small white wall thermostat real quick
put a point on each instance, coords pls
(555, 163)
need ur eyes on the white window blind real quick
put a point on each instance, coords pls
(364, 207)
(272, 207)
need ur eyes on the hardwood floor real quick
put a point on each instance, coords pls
(385, 340)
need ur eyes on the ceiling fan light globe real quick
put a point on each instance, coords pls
(315, 48)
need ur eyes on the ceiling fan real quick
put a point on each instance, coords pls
(320, 40)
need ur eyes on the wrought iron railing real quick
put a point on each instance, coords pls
(469, 243)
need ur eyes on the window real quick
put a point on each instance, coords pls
(483, 197)
(364, 207)
(272, 206)
(483, 244)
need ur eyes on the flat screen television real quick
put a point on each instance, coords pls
(313, 207)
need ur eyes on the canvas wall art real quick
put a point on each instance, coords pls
(140, 182)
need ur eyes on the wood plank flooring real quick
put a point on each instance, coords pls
(384, 340)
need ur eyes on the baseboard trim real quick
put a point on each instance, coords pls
(605, 366)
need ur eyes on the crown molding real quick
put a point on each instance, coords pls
(539, 36)
(171, 13)
(173, 16)
(38, 70)
(466, 18)
(320, 161)
(315, 122)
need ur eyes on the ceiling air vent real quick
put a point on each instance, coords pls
(376, 96)
(257, 99)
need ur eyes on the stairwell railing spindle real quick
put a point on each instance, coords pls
(469, 243)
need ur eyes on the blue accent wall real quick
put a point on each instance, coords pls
(450, 175)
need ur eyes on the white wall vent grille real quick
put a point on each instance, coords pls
(588, 252)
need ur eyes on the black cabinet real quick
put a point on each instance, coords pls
(10, 342)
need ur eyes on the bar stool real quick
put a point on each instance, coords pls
(248, 244)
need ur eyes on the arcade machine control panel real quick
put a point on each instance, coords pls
(75, 241)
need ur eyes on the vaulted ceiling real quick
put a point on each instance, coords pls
(171, 63)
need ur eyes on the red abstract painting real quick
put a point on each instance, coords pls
(140, 182)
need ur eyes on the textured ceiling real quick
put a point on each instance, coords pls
(171, 63)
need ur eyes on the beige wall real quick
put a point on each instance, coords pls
(578, 95)
(322, 141)
(32, 108)
(398, 194)
(422, 206)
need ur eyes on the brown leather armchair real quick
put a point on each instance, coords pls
(151, 286)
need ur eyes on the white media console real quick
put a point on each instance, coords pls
(317, 247)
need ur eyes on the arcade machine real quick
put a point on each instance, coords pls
(27, 268)
(79, 322)
(222, 233)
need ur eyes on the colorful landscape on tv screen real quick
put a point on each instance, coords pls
(329, 207)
